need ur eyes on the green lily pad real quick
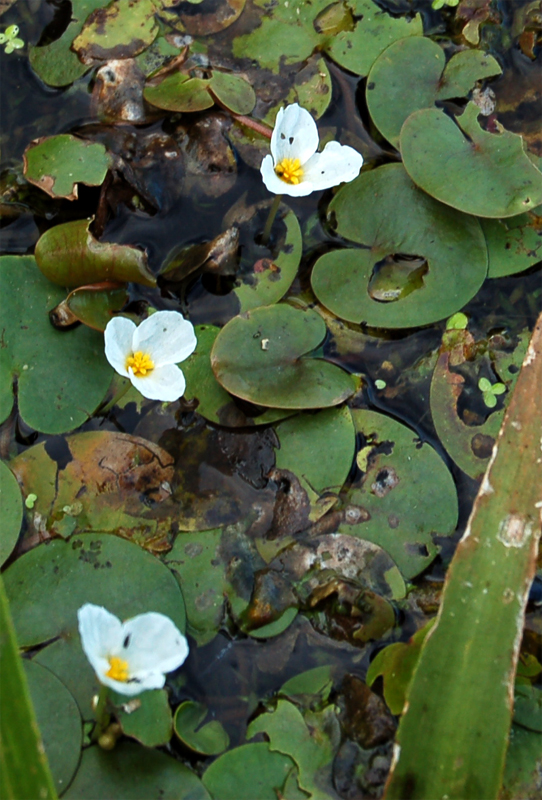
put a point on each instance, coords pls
(133, 772)
(69, 255)
(414, 267)
(214, 402)
(151, 722)
(179, 92)
(315, 681)
(43, 360)
(233, 91)
(247, 772)
(375, 30)
(399, 483)
(310, 745)
(59, 722)
(487, 174)
(302, 441)
(121, 30)
(11, 503)
(106, 486)
(100, 569)
(56, 63)
(268, 280)
(513, 244)
(521, 777)
(410, 75)
(262, 357)
(210, 739)
(57, 164)
(312, 88)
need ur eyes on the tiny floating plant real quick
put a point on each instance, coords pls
(10, 39)
(294, 166)
(490, 391)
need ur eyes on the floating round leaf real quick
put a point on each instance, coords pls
(100, 569)
(233, 92)
(57, 164)
(420, 261)
(247, 772)
(69, 255)
(11, 503)
(393, 503)
(214, 402)
(133, 772)
(375, 30)
(179, 92)
(487, 174)
(303, 439)
(209, 739)
(150, 721)
(59, 722)
(61, 377)
(409, 75)
(263, 357)
(122, 30)
(513, 245)
(93, 305)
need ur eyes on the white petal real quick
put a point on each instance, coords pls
(295, 135)
(337, 163)
(154, 680)
(118, 343)
(165, 383)
(101, 635)
(274, 184)
(166, 336)
(151, 644)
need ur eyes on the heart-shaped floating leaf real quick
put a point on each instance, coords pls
(246, 772)
(375, 30)
(122, 30)
(61, 377)
(69, 255)
(410, 75)
(302, 438)
(399, 483)
(179, 92)
(91, 568)
(513, 244)
(57, 164)
(487, 174)
(132, 772)
(214, 402)
(446, 256)
(11, 503)
(56, 63)
(59, 722)
(209, 739)
(233, 92)
(263, 357)
(151, 722)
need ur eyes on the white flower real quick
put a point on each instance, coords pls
(130, 656)
(148, 353)
(294, 167)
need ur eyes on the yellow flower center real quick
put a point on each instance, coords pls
(141, 363)
(290, 170)
(118, 669)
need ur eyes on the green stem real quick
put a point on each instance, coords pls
(118, 393)
(101, 714)
(271, 218)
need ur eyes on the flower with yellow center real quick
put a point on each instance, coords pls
(295, 167)
(130, 656)
(148, 354)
